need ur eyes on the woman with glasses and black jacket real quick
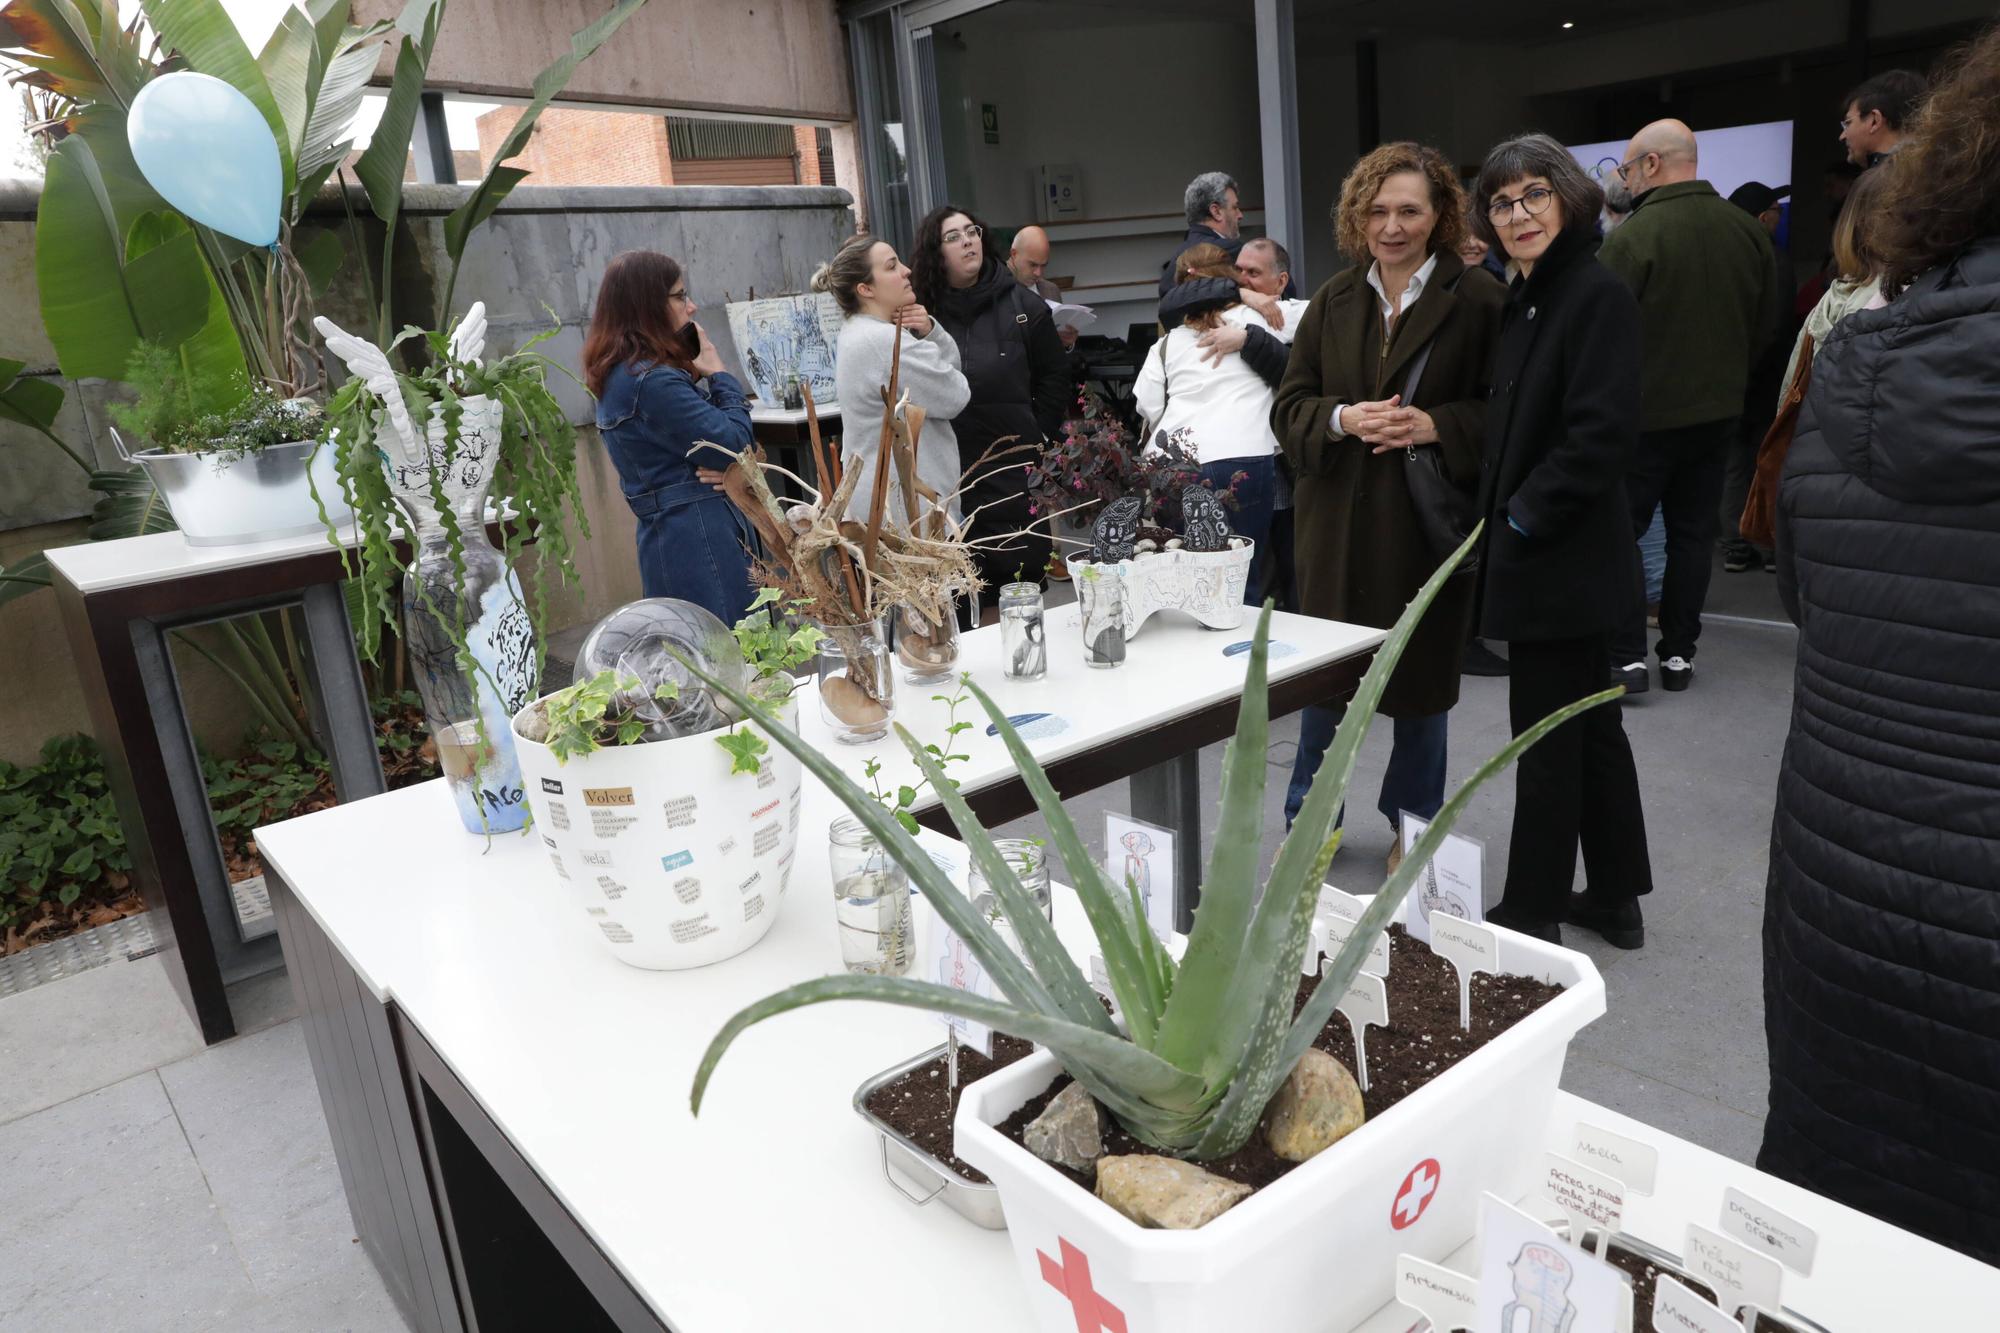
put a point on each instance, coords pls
(1014, 362)
(1559, 571)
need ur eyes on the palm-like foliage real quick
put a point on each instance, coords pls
(1211, 1038)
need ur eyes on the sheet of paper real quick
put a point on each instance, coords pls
(1142, 855)
(1078, 317)
(1530, 1281)
(1453, 883)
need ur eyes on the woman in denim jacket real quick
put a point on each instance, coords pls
(661, 389)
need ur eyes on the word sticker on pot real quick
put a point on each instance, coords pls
(1469, 947)
(1631, 1161)
(1762, 1227)
(1739, 1275)
(1366, 1001)
(1446, 1298)
(1586, 1197)
(1678, 1308)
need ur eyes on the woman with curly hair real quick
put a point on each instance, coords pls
(1882, 912)
(1387, 380)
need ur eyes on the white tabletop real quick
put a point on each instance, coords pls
(792, 416)
(159, 556)
(770, 1210)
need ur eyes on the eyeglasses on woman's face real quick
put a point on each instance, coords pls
(678, 294)
(1533, 201)
(971, 231)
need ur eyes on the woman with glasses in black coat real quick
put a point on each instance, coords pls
(1559, 570)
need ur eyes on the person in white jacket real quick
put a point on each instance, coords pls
(872, 286)
(1217, 410)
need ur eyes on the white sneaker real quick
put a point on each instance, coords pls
(1676, 672)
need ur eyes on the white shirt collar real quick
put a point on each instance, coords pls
(1418, 280)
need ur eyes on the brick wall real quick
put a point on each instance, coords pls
(585, 147)
(806, 141)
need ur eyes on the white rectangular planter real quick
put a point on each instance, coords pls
(1316, 1249)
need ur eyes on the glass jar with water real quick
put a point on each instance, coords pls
(1026, 859)
(871, 902)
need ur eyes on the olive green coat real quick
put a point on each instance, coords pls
(1361, 555)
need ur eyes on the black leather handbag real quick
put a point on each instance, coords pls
(1444, 511)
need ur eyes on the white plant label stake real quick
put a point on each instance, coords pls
(1366, 1001)
(1446, 1298)
(1334, 934)
(954, 965)
(1469, 947)
(1633, 1162)
(1762, 1227)
(1586, 1197)
(1745, 1280)
(1680, 1309)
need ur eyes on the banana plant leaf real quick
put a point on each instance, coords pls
(211, 358)
(346, 61)
(26, 575)
(501, 179)
(75, 49)
(131, 506)
(28, 399)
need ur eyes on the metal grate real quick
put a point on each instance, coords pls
(126, 938)
(691, 140)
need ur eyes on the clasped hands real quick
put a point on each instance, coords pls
(1388, 424)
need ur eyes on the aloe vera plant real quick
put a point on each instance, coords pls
(1208, 1040)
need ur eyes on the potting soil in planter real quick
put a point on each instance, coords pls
(1421, 1042)
(920, 1105)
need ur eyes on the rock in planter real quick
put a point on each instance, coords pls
(1317, 1105)
(1067, 1132)
(1164, 1192)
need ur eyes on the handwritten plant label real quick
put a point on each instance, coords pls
(1633, 1162)
(1762, 1227)
(953, 965)
(1336, 932)
(1469, 947)
(1100, 977)
(1141, 855)
(1587, 1197)
(1739, 1275)
(1366, 1001)
(1452, 882)
(1340, 903)
(1678, 1308)
(1448, 1299)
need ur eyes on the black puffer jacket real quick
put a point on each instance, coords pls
(1013, 360)
(1882, 915)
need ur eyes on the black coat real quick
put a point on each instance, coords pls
(1021, 387)
(1882, 915)
(1560, 433)
(1359, 550)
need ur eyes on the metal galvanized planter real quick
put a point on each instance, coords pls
(261, 496)
(1789, 1319)
(979, 1204)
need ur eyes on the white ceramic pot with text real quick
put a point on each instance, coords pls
(1207, 586)
(1316, 1249)
(676, 861)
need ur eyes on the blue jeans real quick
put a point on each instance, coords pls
(1653, 554)
(695, 545)
(1414, 781)
(1256, 497)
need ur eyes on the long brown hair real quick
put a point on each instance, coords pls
(1856, 253)
(1943, 190)
(629, 326)
(1205, 261)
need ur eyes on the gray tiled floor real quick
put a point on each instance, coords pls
(154, 1184)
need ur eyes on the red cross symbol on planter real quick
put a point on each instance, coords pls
(1072, 1278)
(1419, 1188)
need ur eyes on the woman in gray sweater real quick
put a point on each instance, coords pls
(872, 286)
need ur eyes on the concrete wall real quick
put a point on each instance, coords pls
(761, 57)
(547, 247)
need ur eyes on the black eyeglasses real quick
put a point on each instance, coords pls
(1535, 201)
(678, 294)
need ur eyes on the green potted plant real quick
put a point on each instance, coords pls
(670, 818)
(1207, 1042)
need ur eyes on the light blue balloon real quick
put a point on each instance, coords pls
(208, 151)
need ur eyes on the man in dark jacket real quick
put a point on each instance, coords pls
(1873, 116)
(1882, 914)
(1214, 217)
(1703, 273)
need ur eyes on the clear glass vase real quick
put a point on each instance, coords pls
(1029, 863)
(857, 681)
(1024, 649)
(871, 902)
(1100, 598)
(928, 650)
(470, 714)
